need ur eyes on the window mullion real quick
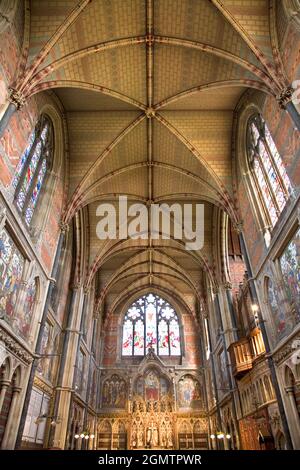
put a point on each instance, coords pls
(25, 168)
(157, 329)
(275, 168)
(273, 197)
(145, 328)
(133, 334)
(261, 199)
(33, 182)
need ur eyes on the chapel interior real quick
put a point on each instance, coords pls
(136, 342)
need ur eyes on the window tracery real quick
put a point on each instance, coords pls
(272, 182)
(151, 322)
(32, 169)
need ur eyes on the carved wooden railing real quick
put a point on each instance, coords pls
(241, 357)
(245, 351)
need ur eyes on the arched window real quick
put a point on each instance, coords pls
(151, 322)
(32, 168)
(272, 181)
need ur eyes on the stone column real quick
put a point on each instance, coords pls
(4, 386)
(64, 389)
(214, 379)
(294, 421)
(227, 312)
(64, 229)
(226, 340)
(12, 418)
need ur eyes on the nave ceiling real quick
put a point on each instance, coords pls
(149, 89)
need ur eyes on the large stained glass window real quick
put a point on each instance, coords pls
(32, 168)
(151, 322)
(290, 268)
(272, 181)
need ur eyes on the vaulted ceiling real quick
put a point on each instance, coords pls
(149, 88)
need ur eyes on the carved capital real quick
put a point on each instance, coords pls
(86, 290)
(76, 285)
(215, 290)
(238, 226)
(64, 227)
(16, 98)
(227, 285)
(285, 96)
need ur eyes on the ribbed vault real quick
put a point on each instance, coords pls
(149, 88)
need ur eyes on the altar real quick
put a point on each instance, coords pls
(163, 409)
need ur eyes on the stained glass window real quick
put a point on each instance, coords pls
(151, 322)
(270, 174)
(290, 268)
(11, 270)
(32, 168)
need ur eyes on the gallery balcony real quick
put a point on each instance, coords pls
(241, 357)
(244, 352)
(257, 343)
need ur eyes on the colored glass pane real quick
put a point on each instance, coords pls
(151, 339)
(150, 322)
(138, 340)
(23, 159)
(278, 159)
(35, 192)
(174, 338)
(31, 171)
(163, 338)
(265, 192)
(127, 338)
(270, 172)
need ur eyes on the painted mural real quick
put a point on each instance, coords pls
(25, 316)
(152, 386)
(43, 367)
(290, 268)
(189, 393)
(282, 324)
(11, 271)
(114, 393)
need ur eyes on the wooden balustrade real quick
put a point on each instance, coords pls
(244, 352)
